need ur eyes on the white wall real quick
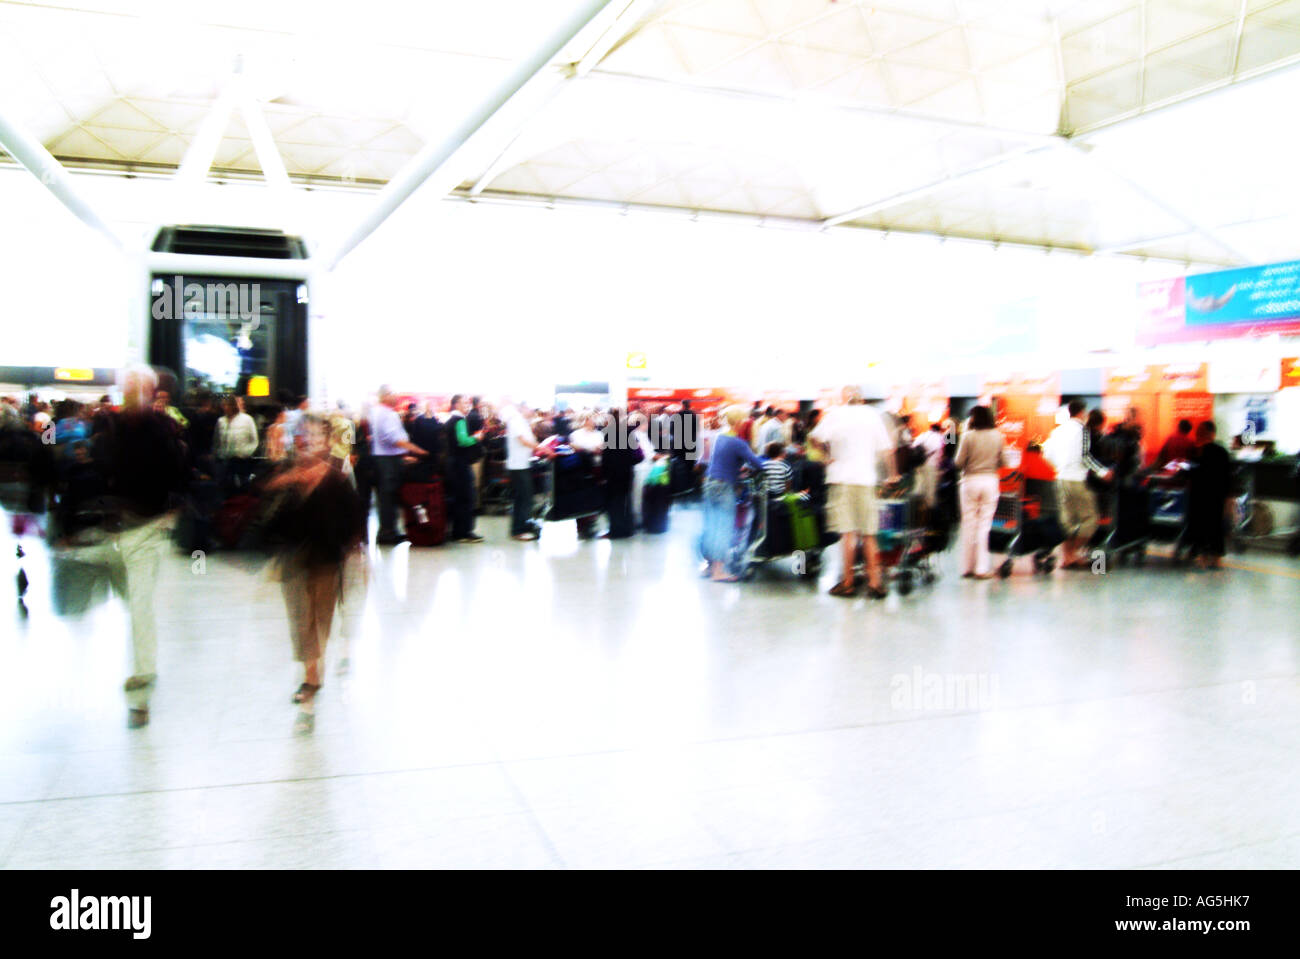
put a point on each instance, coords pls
(450, 296)
(504, 295)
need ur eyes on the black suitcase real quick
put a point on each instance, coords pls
(656, 501)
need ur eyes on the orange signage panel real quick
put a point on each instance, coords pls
(1290, 372)
(1025, 405)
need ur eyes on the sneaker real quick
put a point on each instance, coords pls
(471, 538)
(525, 537)
(137, 718)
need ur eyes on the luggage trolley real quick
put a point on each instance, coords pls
(778, 527)
(1026, 522)
(1126, 534)
(1167, 514)
(496, 496)
(1253, 522)
(900, 538)
(574, 488)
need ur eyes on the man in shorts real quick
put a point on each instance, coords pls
(855, 440)
(1068, 450)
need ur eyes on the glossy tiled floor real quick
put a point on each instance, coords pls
(567, 704)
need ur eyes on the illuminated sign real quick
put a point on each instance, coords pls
(73, 373)
(259, 386)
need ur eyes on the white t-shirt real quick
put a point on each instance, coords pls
(773, 431)
(857, 438)
(933, 444)
(518, 456)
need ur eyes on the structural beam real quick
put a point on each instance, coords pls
(1143, 241)
(1182, 235)
(634, 11)
(237, 94)
(1213, 89)
(29, 151)
(203, 148)
(198, 264)
(899, 113)
(759, 221)
(268, 154)
(1236, 40)
(977, 169)
(1155, 199)
(437, 157)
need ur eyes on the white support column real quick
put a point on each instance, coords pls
(510, 154)
(634, 11)
(1236, 40)
(38, 161)
(436, 158)
(619, 29)
(203, 148)
(268, 154)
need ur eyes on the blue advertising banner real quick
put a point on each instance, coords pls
(1255, 294)
(1249, 301)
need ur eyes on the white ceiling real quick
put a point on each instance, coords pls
(1048, 122)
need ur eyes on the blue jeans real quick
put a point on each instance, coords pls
(719, 521)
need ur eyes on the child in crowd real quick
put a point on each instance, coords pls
(776, 471)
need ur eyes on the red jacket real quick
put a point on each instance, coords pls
(1177, 447)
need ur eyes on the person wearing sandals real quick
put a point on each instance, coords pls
(979, 458)
(729, 454)
(855, 441)
(316, 522)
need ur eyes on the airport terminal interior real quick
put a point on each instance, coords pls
(667, 434)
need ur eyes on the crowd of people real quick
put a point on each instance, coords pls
(299, 482)
(1097, 475)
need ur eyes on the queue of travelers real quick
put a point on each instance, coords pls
(298, 482)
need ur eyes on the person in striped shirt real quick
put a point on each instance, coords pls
(776, 471)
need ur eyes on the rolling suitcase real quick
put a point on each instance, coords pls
(804, 534)
(656, 501)
(424, 512)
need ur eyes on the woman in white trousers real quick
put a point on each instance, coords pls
(979, 458)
